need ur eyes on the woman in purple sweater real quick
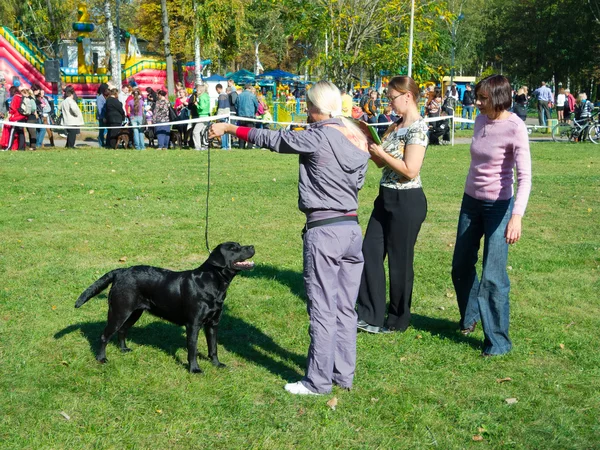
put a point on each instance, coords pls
(488, 210)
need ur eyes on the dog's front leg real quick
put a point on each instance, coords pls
(210, 331)
(192, 347)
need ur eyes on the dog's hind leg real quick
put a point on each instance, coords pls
(133, 318)
(192, 347)
(116, 318)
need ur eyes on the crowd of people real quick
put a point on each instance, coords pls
(144, 112)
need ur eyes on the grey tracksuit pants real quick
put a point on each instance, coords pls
(333, 264)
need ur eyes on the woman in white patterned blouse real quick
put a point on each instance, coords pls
(398, 212)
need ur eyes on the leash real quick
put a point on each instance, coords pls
(207, 195)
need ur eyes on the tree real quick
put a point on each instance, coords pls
(167, 44)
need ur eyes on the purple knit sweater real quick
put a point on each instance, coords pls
(497, 147)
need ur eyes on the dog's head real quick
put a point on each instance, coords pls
(233, 256)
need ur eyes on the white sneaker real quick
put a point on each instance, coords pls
(299, 389)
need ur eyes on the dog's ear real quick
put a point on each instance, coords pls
(224, 254)
(217, 258)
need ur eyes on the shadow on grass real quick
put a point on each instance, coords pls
(443, 328)
(293, 280)
(235, 335)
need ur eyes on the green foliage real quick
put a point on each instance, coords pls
(68, 216)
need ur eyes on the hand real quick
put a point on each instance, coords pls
(513, 229)
(217, 130)
(376, 150)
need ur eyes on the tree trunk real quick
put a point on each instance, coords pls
(115, 64)
(197, 47)
(167, 42)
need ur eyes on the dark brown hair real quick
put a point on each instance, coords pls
(498, 89)
(404, 84)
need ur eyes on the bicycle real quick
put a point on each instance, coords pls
(578, 131)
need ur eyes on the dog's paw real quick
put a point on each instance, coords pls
(219, 365)
(102, 360)
(195, 370)
(126, 350)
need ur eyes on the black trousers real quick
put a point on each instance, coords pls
(71, 137)
(392, 231)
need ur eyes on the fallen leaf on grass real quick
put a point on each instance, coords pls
(503, 380)
(562, 346)
(481, 430)
(374, 400)
(53, 307)
(91, 191)
(159, 411)
(511, 401)
(418, 336)
(449, 294)
(65, 415)
(478, 438)
(301, 411)
(123, 259)
(332, 403)
(65, 363)
(441, 308)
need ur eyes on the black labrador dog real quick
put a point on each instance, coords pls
(193, 298)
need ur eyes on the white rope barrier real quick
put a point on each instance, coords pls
(228, 117)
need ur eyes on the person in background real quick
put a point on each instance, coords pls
(161, 115)
(583, 109)
(468, 102)
(370, 107)
(545, 99)
(15, 115)
(560, 105)
(346, 104)
(333, 161)
(569, 105)
(500, 142)
(223, 109)
(182, 111)
(45, 107)
(520, 105)
(124, 96)
(135, 106)
(3, 96)
(233, 96)
(101, 95)
(267, 117)
(114, 117)
(203, 106)
(247, 106)
(398, 212)
(71, 115)
(193, 108)
(386, 117)
(434, 103)
(32, 117)
(151, 97)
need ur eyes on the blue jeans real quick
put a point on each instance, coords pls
(138, 136)
(485, 299)
(40, 134)
(101, 134)
(163, 135)
(467, 111)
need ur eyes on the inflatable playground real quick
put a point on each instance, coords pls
(21, 59)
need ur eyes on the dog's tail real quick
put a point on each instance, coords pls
(97, 287)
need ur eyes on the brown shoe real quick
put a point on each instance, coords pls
(468, 331)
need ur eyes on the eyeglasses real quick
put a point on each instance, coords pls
(391, 99)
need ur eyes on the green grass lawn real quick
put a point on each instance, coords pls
(70, 216)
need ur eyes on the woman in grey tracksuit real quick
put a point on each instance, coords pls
(333, 161)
